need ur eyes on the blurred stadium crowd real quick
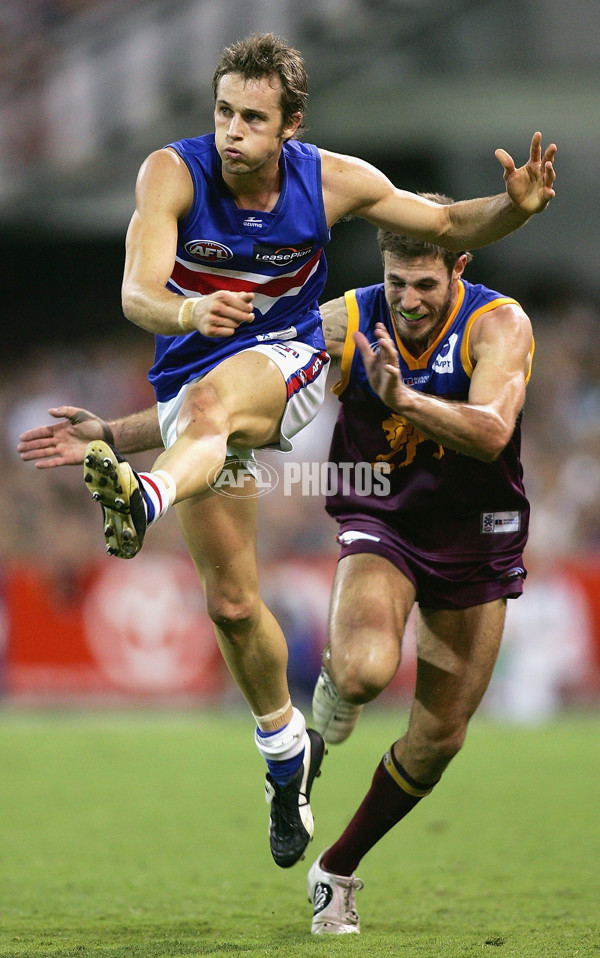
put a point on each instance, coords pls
(25, 54)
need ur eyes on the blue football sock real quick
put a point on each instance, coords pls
(281, 772)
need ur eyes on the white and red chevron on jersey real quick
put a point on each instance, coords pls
(193, 279)
(278, 255)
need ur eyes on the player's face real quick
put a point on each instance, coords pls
(249, 129)
(420, 293)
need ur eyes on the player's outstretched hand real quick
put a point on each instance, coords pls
(530, 187)
(382, 366)
(62, 443)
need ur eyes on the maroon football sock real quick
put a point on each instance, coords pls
(391, 796)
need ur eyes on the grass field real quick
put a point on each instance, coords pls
(146, 835)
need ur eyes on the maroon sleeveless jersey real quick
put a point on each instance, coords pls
(438, 501)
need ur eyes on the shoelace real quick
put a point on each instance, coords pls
(329, 687)
(343, 709)
(348, 888)
(355, 884)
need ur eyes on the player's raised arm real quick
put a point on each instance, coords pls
(353, 186)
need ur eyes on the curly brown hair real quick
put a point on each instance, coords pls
(266, 55)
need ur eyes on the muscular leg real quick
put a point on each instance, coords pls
(456, 652)
(221, 536)
(220, 533)
(240, 401)
(370, 603)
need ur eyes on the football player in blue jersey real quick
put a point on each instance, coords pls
(240, 358)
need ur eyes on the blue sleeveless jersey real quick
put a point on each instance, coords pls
(277, 255)
(439, 500)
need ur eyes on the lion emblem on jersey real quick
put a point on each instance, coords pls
(403, 439)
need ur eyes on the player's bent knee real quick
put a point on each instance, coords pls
(360, 683)
(234, 617)
(202, 407)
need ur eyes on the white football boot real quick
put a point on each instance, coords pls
(332, 897)
(333, 716)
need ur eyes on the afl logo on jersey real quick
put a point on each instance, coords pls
(208, 250)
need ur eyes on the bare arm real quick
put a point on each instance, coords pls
(138, 431)
(64, 443)
(335, 325)
(500, 348)
(164, 193)
(353, 186)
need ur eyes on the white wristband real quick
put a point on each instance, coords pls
(184, 317)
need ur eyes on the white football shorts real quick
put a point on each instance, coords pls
(304, 370)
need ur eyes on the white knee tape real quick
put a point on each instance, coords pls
(284, 743)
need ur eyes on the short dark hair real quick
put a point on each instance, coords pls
(265, 55)
(406, 247)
